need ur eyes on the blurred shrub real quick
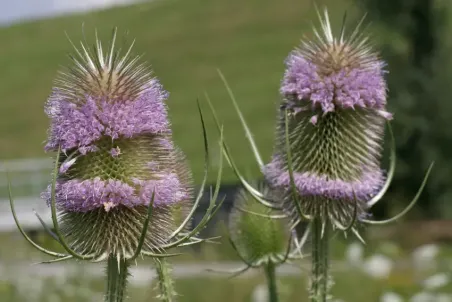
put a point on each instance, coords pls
(415, 40)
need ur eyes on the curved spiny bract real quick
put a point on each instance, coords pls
(109, 119)
(334, 94)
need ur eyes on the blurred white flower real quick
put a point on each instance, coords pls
(423, 297)
(443, 297)
(424, 256)
(436, 281)
(354, 254)
(391, 297)
(29, 287)
(54, 298)
(260, 293)
(378, 266)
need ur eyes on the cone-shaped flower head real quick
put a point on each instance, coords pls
(334, 95)
(257, 236)
(108, 116)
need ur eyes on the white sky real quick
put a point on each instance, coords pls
(13, 11)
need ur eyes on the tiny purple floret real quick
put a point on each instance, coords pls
(66, 165)
(153, 166)
(115, 152)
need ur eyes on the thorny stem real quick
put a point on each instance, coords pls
(117, 273)
(320, 254)
(166, 285)
(270, 273)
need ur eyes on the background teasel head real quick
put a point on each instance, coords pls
(331, 124)
(109, 124)
(260, 235)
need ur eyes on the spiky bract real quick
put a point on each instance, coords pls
(109, 118)
(334, 96)
(257, 237)
(116, 231)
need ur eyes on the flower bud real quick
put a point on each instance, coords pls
(255, 233)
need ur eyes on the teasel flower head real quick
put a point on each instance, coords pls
(261, 236)
(326, 161)
(121, 187)
(330, 127)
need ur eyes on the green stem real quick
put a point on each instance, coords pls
(166, 286)
(270, 273)
(320, 265)
(117, 273)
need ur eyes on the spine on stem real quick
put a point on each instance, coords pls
(165, 281)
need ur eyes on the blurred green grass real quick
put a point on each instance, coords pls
(184, 41)
(350, 286)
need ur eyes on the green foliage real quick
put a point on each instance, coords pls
(415, 41)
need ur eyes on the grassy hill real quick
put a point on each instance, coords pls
(184, 41)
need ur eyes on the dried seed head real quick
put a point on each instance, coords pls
(334, 95)
(256, 237)
(109, 118)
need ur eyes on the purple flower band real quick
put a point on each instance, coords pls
(309, 184)
(78, 126)
(356, 87)
(82, 196)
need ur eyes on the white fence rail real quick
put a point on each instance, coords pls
(29, 177)
(24, 210)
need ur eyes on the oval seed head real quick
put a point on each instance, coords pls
(335, 96)
(257, 238)
(109, 117)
